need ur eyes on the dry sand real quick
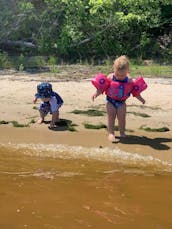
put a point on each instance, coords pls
(17, 93)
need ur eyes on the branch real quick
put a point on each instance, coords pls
(17, 45)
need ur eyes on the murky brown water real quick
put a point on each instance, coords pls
(50, 193)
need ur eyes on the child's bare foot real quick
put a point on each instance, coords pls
(112, 138)
(52, 125)
(40, 121)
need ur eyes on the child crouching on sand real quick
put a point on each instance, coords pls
(50, 103)
(118, 87)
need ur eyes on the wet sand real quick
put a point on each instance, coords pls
(17, 93)
(157, 146)
(60, 179)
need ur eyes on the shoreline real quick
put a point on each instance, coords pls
(145, 144)
(16, 104)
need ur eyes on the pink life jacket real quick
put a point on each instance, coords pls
(101, 82)
(139, 85)
(119, 90)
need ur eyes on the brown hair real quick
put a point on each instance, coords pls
(121, 63)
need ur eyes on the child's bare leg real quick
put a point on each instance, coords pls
(111, 115)
(55, 118)
(41, 119)
(121, 114)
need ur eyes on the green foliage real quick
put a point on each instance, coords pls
(35, 62)
(52, 62)
(26, 6)
(90, 29)
(151, 70)
(21, 63)
(21, 68)
(4, 60)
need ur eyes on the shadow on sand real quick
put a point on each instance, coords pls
(155, 143)
(61, 125)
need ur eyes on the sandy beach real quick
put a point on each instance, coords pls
(17, 93)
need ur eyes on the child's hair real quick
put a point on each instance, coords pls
(121, 63)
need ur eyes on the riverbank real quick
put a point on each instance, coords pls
(17, 94)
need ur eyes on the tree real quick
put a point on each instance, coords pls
(83, 29)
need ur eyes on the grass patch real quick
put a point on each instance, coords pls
(139, 68)
(91, 126)
(16, 124)
(71, 127)
(90, 112)
(161, 129)
(84, 69)
(102, 126)
(145, 107)
(139, 114)
(152, 70)
(35, 107)
(32, 121)
(66, 123)
(3, 122)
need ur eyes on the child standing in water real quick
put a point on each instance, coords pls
(50, 103)
(117, 93)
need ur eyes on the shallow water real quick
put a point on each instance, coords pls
(48, 187)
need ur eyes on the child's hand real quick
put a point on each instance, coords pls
(94, 96)
(97, 93)
(143, 101)
(35, 100)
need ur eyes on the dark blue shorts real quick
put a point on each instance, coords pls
(115, 103)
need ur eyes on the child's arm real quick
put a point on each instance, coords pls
(140, 98)
(96, 94)
(59, 98)
(35, 100)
